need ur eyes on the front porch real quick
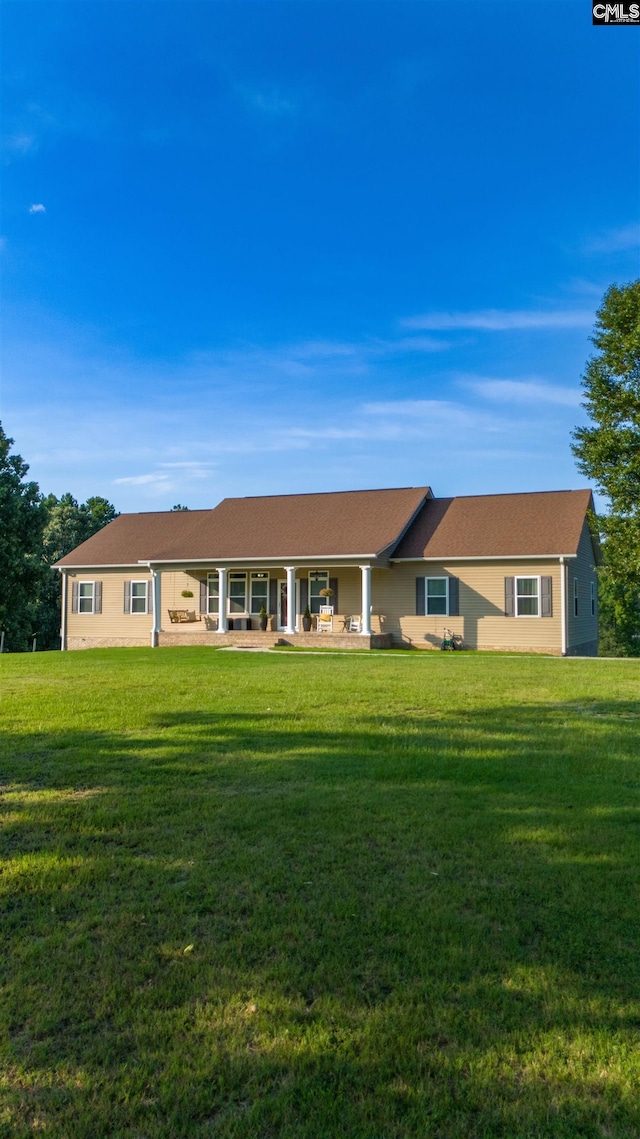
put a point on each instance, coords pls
(227, 604)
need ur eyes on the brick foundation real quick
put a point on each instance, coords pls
(107, 642)
(269, 640)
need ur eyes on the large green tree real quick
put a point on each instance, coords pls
(67, 524)
(21, 521)
(608, 452)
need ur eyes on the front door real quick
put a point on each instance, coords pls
(282, 603)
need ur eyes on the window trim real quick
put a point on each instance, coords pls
(516, 596)
(576, 597)
(436, 577)
(593, 598)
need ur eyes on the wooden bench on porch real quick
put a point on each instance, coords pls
(183, 616)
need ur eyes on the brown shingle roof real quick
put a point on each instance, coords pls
(498, 525)
(346, 523)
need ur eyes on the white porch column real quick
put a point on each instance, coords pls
(563, 607)
(222, 599)
(63, 626)
(366, 601)
(157, 602)
(291, 599)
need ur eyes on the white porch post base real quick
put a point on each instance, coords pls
(366, 601)
(291, 599)
(222, 600)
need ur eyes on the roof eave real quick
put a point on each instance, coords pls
(486, 558)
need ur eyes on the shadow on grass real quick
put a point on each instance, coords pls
(247, 925)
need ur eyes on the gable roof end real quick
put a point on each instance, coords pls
(538, 524)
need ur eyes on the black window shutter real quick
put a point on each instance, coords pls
(509, 596)
(454, 597)
(546, 608)
(203, 596)
(420, 598)
(127, 596)
(273, 596)
(74, 597)
(97, 597)
(333, 584)
(150, 596)
(304, 593)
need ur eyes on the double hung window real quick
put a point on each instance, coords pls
(436, 591)
(259, 592)
(86, 596)
(527, 596)
(139, 597)
(213, 593)
(318, 579)
(237, 593)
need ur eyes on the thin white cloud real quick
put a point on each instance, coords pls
(618, 240)
(270, 103)
(501, 320)
(37, 208)
(19, 143)
(142, 480)
(524, 391)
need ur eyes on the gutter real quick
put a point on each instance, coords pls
(275, 559)
(489, 558)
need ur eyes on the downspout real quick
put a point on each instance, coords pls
(563, 607)
(157, 601)
(63, 612)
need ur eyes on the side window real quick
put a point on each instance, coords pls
(436, 596)
(593, 598)
(575, 597)
(527, 597)
(139, 596)
(86, 592)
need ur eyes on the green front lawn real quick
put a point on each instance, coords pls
(279, 895)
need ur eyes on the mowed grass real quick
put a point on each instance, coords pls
(319, 896)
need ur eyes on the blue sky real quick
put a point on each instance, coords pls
(265, 247)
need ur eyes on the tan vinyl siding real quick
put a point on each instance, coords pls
(482, 623)
(582, 631)
(113, 624)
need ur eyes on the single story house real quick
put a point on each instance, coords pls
(502, 571)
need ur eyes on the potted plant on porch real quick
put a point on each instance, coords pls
(327, 593)
(263, 617)
(306, 620)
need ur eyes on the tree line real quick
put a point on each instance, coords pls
(608, 452)
(36, 530)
